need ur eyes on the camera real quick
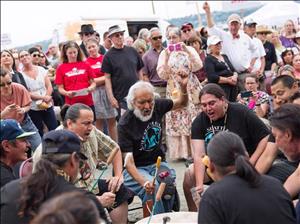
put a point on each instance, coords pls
(174, 47)
(246, 94)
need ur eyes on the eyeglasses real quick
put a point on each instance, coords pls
(5, 84)
(117, 35)
(42, 56)
(35, 55)
(157, 38)
(187, 30)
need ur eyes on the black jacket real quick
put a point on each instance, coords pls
(10, 195)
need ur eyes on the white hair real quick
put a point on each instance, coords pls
(131, 93)
(154, 29)
(143, 33)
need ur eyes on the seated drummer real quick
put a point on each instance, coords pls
(140, 134)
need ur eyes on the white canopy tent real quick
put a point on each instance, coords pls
(276, 13)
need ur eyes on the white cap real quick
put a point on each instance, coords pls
(213, 40)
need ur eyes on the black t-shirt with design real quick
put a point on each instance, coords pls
(123, 66)
(143, 139)
(239, 120)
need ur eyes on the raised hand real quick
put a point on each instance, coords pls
(206, 7)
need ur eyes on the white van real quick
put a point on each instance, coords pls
(131, 25)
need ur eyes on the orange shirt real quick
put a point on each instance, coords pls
(20, 96)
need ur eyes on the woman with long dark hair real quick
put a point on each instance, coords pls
(240, 194)
(8, 62)
(54, 174)
(74, 77)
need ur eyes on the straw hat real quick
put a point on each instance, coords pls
(263, 29)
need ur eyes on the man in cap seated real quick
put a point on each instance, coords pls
(13, 148)
(55, 174)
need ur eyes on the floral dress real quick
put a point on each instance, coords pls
(178, 122)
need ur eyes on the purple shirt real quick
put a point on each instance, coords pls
(150, 59)
(287, 42)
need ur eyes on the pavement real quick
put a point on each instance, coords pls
(179, 166)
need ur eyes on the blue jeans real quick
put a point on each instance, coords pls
(43, 116)
(148, 173)
(28, 126)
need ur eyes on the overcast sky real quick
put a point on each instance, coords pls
(30, 21)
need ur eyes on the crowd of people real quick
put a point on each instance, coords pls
(227, 103)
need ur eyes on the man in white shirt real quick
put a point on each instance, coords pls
(260, 62)
(238, 46)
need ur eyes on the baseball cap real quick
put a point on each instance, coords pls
(212, 40)
(249, 22)
(234, 18)
(61, 141)
(187, 26)
(10, 130)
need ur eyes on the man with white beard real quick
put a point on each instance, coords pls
(140, 134)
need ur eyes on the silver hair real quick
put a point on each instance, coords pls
(154, 29)
(143, 33)
(175, 30)
(131, 93)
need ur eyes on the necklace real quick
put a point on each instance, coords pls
(224, 126)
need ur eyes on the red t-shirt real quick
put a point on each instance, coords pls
(96, 64)
(75, 76)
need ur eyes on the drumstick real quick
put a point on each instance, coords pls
(158, 161)
(123, 169)
(159, 193)
(112, 156)
(206, 162)
(109, 160)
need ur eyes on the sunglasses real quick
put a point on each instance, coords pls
(117, 35)
(35, 55)
(5, 84)
(42, 56)
(187, 30)
(88, 34)
(157, 38)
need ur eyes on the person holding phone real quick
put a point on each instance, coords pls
(256, 100)
(15, 103)
(177, 59)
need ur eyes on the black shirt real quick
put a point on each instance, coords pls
(7, 174)
(270, 55)
(233, 201)
(10, 195)
(215, 69)
(143, 139)
(240, 120)
(123, 66)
